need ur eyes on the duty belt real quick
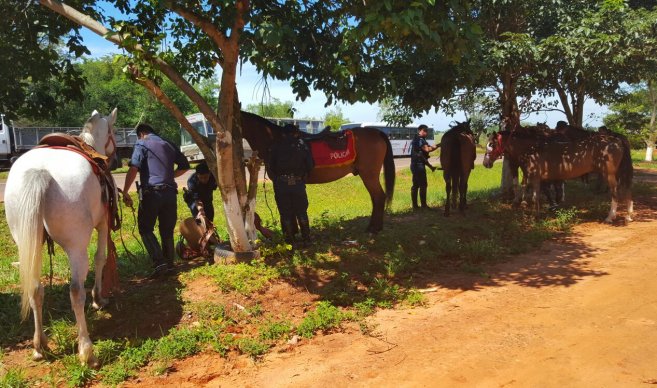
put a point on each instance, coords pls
(290, 179)
(162, 187)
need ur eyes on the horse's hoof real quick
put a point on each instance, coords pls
(609, 220)
(92, 362)
(37, 355)
(100, 303)
(629, 219)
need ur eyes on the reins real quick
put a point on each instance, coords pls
(130, 255)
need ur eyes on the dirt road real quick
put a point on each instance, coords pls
(581, 311)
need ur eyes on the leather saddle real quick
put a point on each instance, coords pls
(99, 163)
(63, 140)
(334, 140)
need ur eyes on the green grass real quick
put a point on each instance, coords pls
(13, 378)
(638, 159)
(352, 274)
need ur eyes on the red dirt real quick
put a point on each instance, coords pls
(580, 311)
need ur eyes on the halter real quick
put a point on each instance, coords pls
(110, 139)
(496, 152)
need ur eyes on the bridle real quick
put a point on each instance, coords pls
(495, 152)
(110, 140)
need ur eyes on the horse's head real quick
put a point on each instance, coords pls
(260, 133)
(98, 132)
(494, 149)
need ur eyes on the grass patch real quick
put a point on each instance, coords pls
(242, 278)
(14, 378)
(325, 317)
(274, 330)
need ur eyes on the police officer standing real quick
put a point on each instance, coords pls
(419, 157)
(289, 164)
(200, 187)
(154, 159)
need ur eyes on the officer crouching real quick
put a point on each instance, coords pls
(289, 163)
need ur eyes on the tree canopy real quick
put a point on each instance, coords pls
(37, 46)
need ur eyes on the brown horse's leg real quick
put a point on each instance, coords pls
(448, 191)
(463, 191)
(536, 196)
(613, 189)
(455, 189)
(378, 197)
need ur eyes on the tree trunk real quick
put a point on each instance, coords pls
(229, 157)
(510, 111)
(649, 150)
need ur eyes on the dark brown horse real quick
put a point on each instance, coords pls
(373, 151)
(542, 158)
(457, 156)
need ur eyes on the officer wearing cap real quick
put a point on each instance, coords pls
(289, 164)
(154, 159)
(200, 187)
(420, 149)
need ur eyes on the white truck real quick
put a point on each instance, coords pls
(15, 141)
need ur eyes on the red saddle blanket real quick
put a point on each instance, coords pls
(333, 152)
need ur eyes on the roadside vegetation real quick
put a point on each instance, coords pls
(248, 309)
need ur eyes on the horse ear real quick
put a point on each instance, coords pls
(94, 113)
(112, 117)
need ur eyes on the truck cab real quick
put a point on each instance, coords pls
(5, 141)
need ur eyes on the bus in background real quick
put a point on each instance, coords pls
(400, 137)
(192, 152)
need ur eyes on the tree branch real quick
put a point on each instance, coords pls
(205, 25)
(157, 92)
(96, 27)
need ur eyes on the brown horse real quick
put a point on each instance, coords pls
(373, 151)
(457, 156)
(541, 158)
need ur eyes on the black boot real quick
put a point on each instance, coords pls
(414, 197)
(155, 252)
(288, 231)
(304, 225)
(423, 198)
(169, 252)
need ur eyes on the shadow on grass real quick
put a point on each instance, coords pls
(425, 249)
(144, 308)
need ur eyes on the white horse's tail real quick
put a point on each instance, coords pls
(30, 232)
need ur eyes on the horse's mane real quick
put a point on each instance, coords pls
(463, 127)
(262, 120)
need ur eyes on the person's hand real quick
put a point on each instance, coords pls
(127, 200)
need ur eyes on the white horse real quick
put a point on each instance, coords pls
(56, 191)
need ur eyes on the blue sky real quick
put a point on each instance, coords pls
(250, 89)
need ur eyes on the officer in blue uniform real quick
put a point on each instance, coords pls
(289, 163)
(200, 187)
(419, 157)
(154, 159)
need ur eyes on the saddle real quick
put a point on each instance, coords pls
(334, 140)
(99, 163)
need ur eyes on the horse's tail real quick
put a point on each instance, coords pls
(625, 170)
(388, 170)
(30, 232)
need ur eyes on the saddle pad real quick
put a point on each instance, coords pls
(326, 154)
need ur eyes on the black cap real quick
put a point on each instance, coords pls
(202, 168)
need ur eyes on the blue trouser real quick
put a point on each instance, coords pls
(292, 201)
(419, 183)
(162, 206)
(419, 174)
